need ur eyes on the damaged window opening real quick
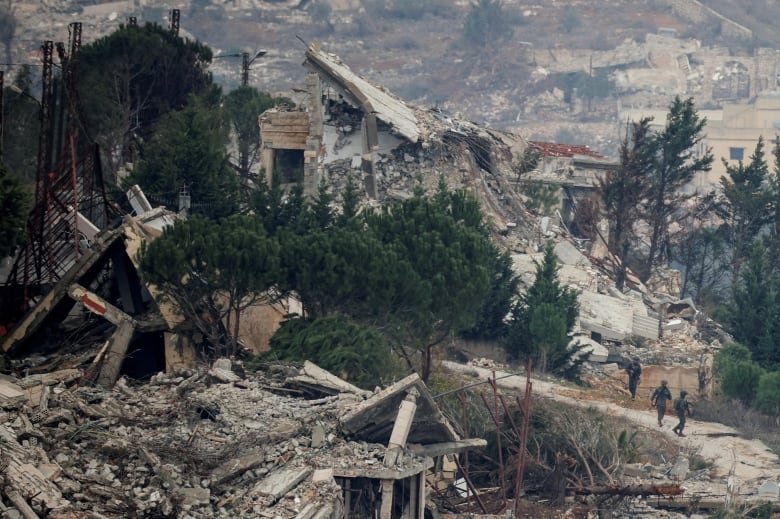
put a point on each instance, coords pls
(288, 165)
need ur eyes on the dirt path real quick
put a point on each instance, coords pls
(753, 462)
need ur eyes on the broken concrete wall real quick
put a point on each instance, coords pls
(678, 377)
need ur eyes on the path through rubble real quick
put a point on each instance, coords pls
(751, 460)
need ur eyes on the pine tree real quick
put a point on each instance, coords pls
(746, 204)
(541, 320)
(14, 203)
(623, 190)
(129, 79)
(676, 163)
(214, 271)
(188, 150)
(752, 314)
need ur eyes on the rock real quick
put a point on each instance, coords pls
(680, 469)
(223, 363)
(317, 436)
(194, 496)
(769, 490)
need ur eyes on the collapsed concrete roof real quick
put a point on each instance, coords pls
(210, 443)
(362, 94)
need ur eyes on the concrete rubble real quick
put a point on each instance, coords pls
(200, 444)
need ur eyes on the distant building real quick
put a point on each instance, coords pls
(734, 137)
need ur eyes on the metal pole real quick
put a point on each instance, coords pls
(244, 69)
(524, 436)
(2, 114)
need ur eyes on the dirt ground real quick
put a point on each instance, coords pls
(750, 461)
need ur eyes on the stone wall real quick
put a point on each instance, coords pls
(696, 12)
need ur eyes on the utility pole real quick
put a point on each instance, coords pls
(245, 69)
(2, 110)
(175, 16)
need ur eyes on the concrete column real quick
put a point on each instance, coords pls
(401, 428)
(386, 511)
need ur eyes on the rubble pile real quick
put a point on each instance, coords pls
(189, 444)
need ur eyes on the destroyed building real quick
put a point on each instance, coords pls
(287, 443)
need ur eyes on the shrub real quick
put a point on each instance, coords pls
(768, 393)
(737, 373)
(357, 353)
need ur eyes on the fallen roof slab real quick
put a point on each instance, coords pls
(373, 419)
(363, 94)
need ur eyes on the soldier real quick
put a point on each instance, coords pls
(683, 408)
(658, 400)
(634, 370)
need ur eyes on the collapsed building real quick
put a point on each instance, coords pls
(206, 442)
(284, 443)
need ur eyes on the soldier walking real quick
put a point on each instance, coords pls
(634, 370)
(658, 400)
(683, 408)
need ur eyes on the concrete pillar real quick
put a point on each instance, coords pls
(386, 511)
(370, 138)
(401, 428)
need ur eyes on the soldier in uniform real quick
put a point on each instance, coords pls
(658, 400)
(634, 370)
(682, 408)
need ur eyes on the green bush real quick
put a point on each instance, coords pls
(357, 353)
(768, 393)
(737, 373)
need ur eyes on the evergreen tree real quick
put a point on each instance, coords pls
(623, 190)
(541, 320)
(450, 253)
(768, 393)
(188, 150)
(214, 271)
(129, 79)
(321, 211)
(242, 108)
(773, 236)
(21, 126)
(676, 163)
(486, 24)
(745, 208)
(350, 198)
(752, 314)
(356, 352)
(737, 374)
(14, 204)
(503, 288)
